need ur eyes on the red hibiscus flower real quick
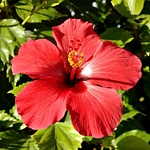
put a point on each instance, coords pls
(79, 75)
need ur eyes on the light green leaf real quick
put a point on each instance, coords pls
(60, 136)
(17, 89)
(29, 145)
(128, 8)
(11, 35)
(129, 115)
(133, 140)
(118, 36)
(24, 11)
(54, 2)
(144, 20)
(13, 112)
(12, 119)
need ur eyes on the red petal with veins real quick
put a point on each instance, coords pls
(42, 102)
(113, 67)
(74, 34)
(95, 111)
(37, 59)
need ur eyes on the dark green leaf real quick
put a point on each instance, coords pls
(13, 140)
(118, 36)
(107, 141)
(133, 140)
(12, 79)
(60, 136)
(146, 43)
(132, 143)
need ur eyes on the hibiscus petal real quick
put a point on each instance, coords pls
(95, 111)
(74, 34)
(38, 58)
(42, 102)
(113, 67)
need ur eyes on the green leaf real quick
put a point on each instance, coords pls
(17, 89)
(118, 36)
(107, 141)
(144, 20)
(129, 115)
(146, 43)
(11, 120)
(6, 120)
(12, 79)
(60, 136)
(13, 140)
(132, 143)
(54, 2)
(128, 8)
(11, 35)
(133, 140)
(28, 11)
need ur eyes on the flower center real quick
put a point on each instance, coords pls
(75, 58)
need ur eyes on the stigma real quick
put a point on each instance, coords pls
(75, 58)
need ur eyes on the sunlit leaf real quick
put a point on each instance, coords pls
(17, 89)
(6, 120)
(11, 35)
(60, 136)
(54, 2)
(118, 36)
(144, 20)
(129, 115)
(128, 8)
(47, 13)
(11, 119)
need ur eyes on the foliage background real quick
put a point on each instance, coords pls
(124, 22)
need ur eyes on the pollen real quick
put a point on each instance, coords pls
(75, 58)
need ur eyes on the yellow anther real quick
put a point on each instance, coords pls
(75, 58)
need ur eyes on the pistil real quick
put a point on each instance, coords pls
(72, 75)
(75, 59)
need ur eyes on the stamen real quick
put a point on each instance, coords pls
(75, 58)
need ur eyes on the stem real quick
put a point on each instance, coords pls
(102, 148)
(28, 17)
(6, 5)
